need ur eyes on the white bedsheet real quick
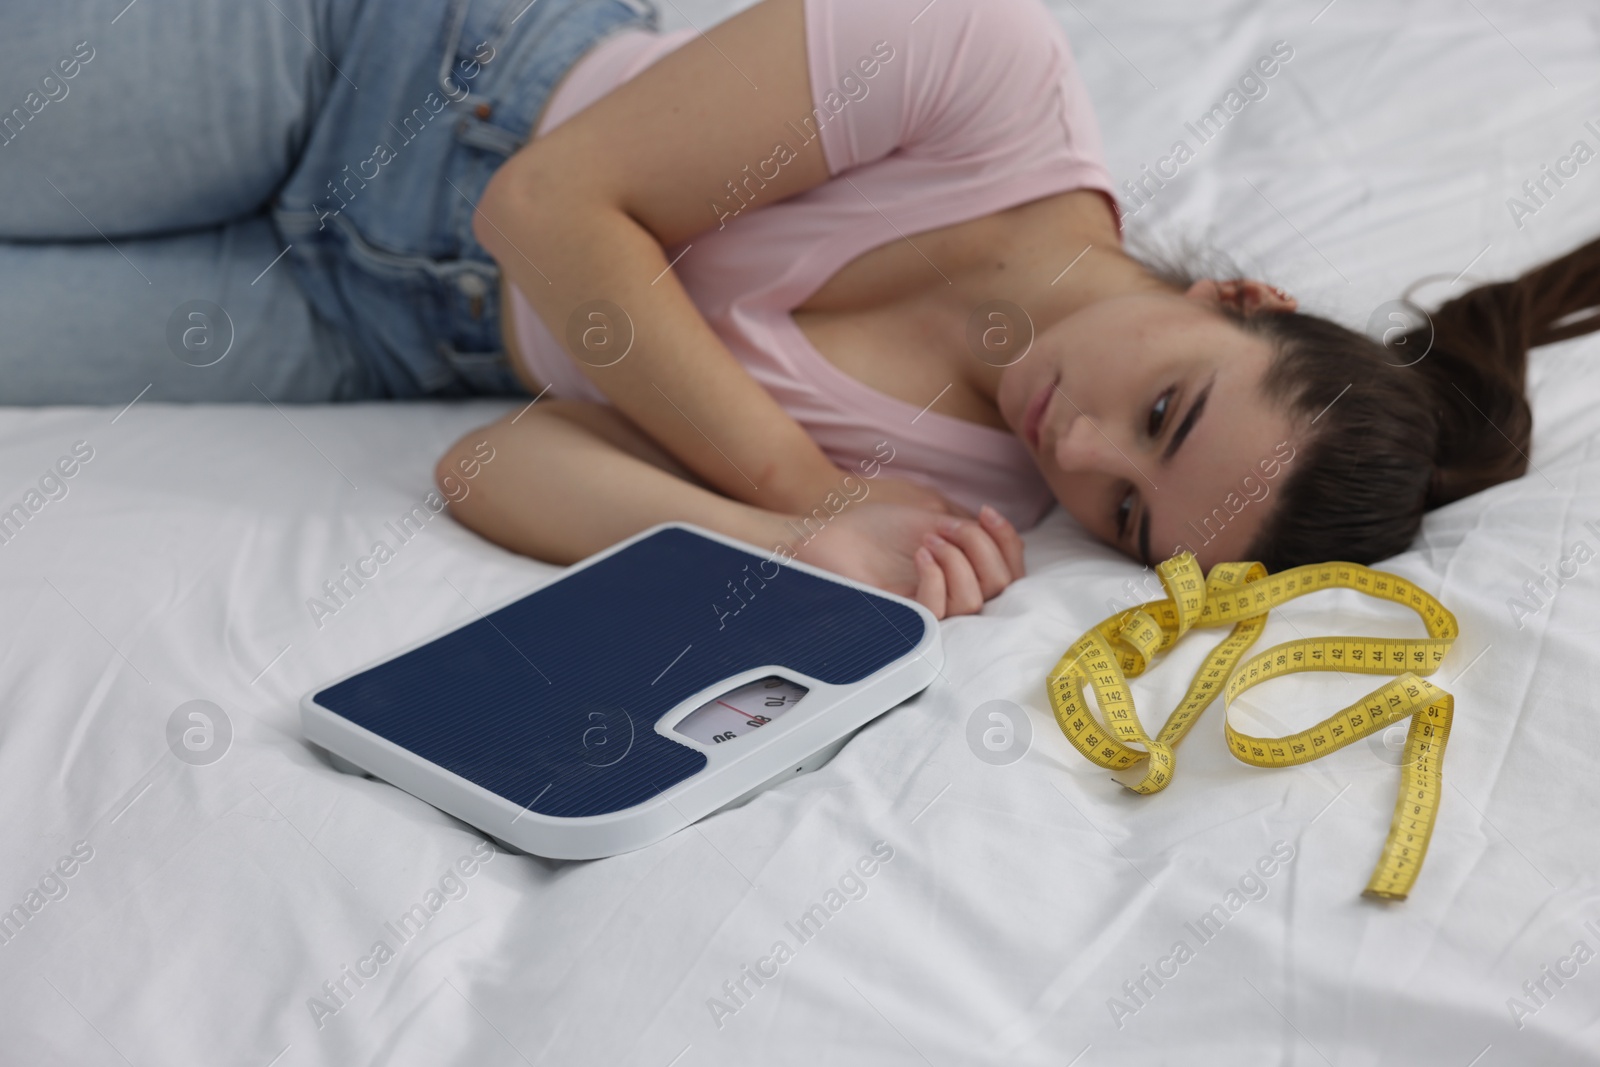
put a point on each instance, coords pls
(219, 899)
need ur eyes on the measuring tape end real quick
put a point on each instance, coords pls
(1379, 894)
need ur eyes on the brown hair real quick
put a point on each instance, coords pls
(1392, 435)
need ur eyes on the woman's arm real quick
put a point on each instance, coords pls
(569, 478)
(594, 202)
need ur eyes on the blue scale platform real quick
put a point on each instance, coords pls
(551, 701)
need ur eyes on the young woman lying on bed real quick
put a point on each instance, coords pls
(770, 280)
(830, 239)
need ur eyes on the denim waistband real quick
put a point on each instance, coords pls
(379, 209)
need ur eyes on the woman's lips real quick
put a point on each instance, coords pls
(1034, 416)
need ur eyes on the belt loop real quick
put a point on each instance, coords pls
(458, 21)
(646, 8)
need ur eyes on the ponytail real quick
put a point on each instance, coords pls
(1477, 367)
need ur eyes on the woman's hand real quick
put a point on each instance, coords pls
(950, 565)
(887, 490)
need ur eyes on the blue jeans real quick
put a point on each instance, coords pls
(246, 199)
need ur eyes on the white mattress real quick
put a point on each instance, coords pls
(1019, 899)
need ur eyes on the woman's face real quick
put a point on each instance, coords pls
(1145, 415)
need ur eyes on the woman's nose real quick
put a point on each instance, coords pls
(1084, 447)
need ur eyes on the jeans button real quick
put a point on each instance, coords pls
(474, 288)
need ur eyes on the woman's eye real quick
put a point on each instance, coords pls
(1124, 513)
(1158, 413)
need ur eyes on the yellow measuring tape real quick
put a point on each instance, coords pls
(1242, 594)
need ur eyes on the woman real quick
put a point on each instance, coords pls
(1154, 412)
(832, 276)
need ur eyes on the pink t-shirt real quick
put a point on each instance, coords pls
(936, 114)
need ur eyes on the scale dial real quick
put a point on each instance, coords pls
(741, 711)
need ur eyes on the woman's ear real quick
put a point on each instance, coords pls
(1243, 295)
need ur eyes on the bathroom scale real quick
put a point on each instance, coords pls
(672, 675)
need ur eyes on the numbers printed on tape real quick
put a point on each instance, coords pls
(1241, 594)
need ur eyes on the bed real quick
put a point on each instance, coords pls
(196, 911)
